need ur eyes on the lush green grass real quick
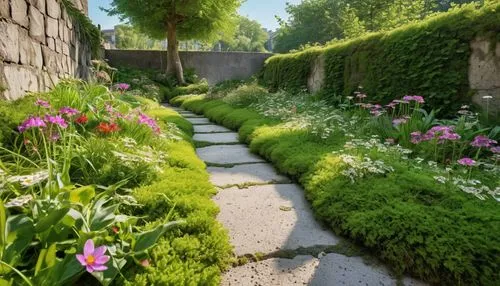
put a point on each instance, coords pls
(414, 223)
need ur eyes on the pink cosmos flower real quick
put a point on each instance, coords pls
(69, 111)
(56, 120)
(482, 141)
(31, 122)
(467, 162)
(42, 103)
(93, 259)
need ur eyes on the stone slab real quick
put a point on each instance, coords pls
(217, 137)
(276, 271)
(210, 129)
(269, 218)
(227, 154)
(199, 121)
(188, 114)
(245, 174)
(330, 270)
(336, 269)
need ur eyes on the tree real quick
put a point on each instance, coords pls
(128, 37)
(179, 20)
(249, 37)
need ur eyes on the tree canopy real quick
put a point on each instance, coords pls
(250, 36)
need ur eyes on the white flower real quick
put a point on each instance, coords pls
(441, 179)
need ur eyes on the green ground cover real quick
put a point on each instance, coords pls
(90, 162)
(393, 179)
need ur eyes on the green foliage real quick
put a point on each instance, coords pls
(128, 37)
(429, 58)
(419, 226)
(194, 88)
(89, 33)
(245, 95)
(249, 37)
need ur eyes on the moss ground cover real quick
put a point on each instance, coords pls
(111, 168)
(421, 216)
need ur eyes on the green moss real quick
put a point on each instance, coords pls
(430, 58)
(415, 224)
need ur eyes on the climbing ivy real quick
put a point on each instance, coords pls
(430, 58)
(88, 31)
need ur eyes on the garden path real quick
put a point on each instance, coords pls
(270, 221)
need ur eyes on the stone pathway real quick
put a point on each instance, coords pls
(267, 216)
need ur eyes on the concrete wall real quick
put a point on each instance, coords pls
(214, 66)
(38, 45)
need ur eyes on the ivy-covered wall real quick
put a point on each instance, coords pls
(431, 58)
(40, 43)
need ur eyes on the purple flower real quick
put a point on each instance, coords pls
(31, 122)
(467, 162)
(93, 259)
(416, 98)
(482, 141)
(416, 137)
(442, 133)
(393, 104)
(69, 111)
(42, 103)
(495, 149)
(122, 86)
(399, 121)
(54, 137)
(56, 120)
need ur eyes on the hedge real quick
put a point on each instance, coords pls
(409, 220)
(429, 58)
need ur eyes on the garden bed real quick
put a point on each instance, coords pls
(416, 206)
(104, 185)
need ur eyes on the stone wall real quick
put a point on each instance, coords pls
(213, 66)
(38, 46)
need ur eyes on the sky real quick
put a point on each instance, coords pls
(263, 11)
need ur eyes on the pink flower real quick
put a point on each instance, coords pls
(42, 103)
(31, 122)
(56, 120)
(144, 119)
(416, 98)
(145, 263)
(482, 141)
(122, 86)
(467, 162)
(93, 259)
(495, 149)
(69, 111)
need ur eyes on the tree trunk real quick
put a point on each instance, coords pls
(174, 65)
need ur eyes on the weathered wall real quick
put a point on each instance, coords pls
(484, 74)
(38, 45)
(214, 66)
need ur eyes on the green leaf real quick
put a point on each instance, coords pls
(5, 282)
(146, 240)
(83, 195)
(51, 219)
(102, 216)
(20, 234)
(109, 275)
(3, 230)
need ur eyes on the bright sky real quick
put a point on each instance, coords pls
(262, 11)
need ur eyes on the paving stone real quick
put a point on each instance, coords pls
(210, 129)
(198, 120)
(227, 154)
(276, 271)
(245, 174)
(331, 270)
(336, 269)
(269, 218)
(190, 114)
(217, 137)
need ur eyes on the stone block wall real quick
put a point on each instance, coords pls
(39, 45)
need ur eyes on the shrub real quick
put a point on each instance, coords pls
(194, 88)
(430, 58)
(245, 95)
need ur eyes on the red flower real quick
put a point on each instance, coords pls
(82, 119)
(107, 128)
